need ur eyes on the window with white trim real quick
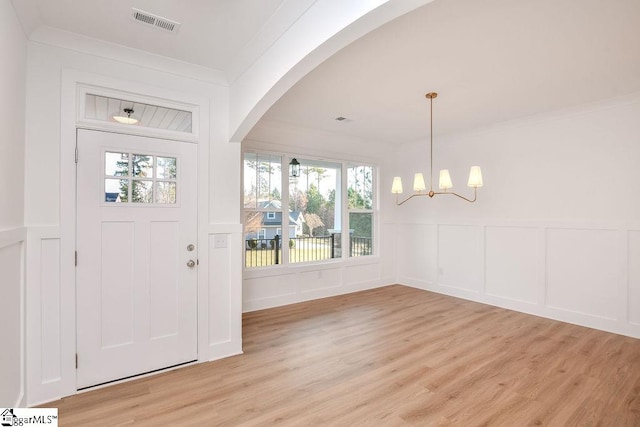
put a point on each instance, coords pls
(307, 224)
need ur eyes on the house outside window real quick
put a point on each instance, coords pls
(302, 220)
(262, 176)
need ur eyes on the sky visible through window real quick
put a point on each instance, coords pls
(313, 216)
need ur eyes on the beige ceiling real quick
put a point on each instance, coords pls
(225, 35)
(490, 61)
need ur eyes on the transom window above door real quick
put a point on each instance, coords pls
(140, 178)
(104, 108)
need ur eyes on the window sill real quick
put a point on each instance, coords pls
(282, 269)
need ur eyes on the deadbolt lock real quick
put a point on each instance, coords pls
(190, 247)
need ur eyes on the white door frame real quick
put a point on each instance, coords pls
(73, 84)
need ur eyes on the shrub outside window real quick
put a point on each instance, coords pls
(307, 224)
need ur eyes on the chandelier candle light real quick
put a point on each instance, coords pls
(419, 187)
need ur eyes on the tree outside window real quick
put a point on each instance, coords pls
(360, 203)
(263, 213)
(313, 219)
(312, 198)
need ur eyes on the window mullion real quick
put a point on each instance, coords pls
(344, 200)
(284, 184)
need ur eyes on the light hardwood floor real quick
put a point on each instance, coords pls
(388, 357)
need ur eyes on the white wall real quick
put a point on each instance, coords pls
(49, 206)
(555, 231)
(13, 46)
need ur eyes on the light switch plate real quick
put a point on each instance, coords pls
(220, 241)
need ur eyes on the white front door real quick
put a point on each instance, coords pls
(136, 278)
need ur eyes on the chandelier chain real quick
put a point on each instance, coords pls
(431, 139)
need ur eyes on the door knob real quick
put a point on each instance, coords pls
(191, 263)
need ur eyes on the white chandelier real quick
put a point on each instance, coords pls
(445, 184)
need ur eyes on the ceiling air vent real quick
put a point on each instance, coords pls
(155, 20)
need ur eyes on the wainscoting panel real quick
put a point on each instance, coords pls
(12, 317)
(50, 309)
(582, 271)
(633, 272)
(386, 248)
(361, 274)
(291, 283)
(312, 281)
(511, 264)
(416, 252)
(269, 287)
(461, 257)
(44, 333)
(219, 293)
(587, 274)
